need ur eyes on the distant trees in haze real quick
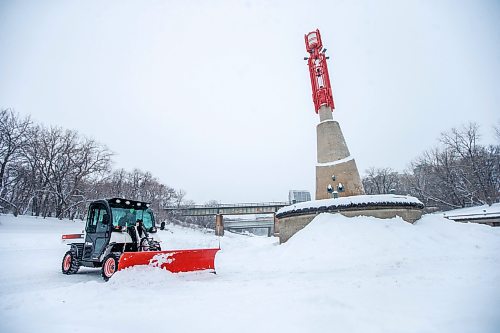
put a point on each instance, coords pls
(459, 172)
(55, 172)
(138, 185)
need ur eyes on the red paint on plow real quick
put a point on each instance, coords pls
(174, 261)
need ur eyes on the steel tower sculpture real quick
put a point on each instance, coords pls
(318, 70)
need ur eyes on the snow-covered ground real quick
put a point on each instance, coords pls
(337, 275)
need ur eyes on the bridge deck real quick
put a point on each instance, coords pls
(227, 209)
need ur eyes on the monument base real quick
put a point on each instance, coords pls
(293, 218)
(345, 172)
(335, 166)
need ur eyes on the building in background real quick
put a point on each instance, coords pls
(295, 196)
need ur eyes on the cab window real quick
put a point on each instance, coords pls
(147, 219)
(95, 218)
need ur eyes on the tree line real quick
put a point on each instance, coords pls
(458, 172)
(50, 171)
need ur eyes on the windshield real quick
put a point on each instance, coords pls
(126, 217)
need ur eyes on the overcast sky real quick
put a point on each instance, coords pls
(214, 97)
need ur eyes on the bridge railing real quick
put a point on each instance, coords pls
(255, 204)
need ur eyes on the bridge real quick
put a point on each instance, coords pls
(219, 210)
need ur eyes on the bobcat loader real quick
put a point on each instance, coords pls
(121, 233)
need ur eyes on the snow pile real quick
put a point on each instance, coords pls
(338, 274)
(351, 202)
(140, 277)
(339, 240)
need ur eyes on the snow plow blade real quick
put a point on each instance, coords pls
(174, 261)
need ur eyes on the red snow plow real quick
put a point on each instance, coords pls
(174, 261)
(121, 233)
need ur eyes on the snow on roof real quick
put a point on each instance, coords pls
(476, 212)
(353, 201)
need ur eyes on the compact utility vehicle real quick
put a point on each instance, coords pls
(121, 233)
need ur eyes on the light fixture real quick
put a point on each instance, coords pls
(127, 202)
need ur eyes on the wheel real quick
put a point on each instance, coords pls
(109, 266)
(70, 263)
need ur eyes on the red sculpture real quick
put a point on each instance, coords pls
(320, 80)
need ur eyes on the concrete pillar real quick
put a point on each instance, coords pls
(334, 159)
(276, 225)
(219, 225)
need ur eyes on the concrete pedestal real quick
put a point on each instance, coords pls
(219, 225)
(334, 159)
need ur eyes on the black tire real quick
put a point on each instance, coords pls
(69, 263)
(109, 265)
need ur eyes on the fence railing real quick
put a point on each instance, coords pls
(221, 205)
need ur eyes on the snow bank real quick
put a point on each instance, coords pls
(335, 240)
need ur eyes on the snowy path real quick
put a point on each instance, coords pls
(338, 274)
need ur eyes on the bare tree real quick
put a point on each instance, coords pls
(180, 194)
(381, 181)
(62, 163)
(137, 185)
(13, 134)
(55, 172)
(476, 165)
(458, 172)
